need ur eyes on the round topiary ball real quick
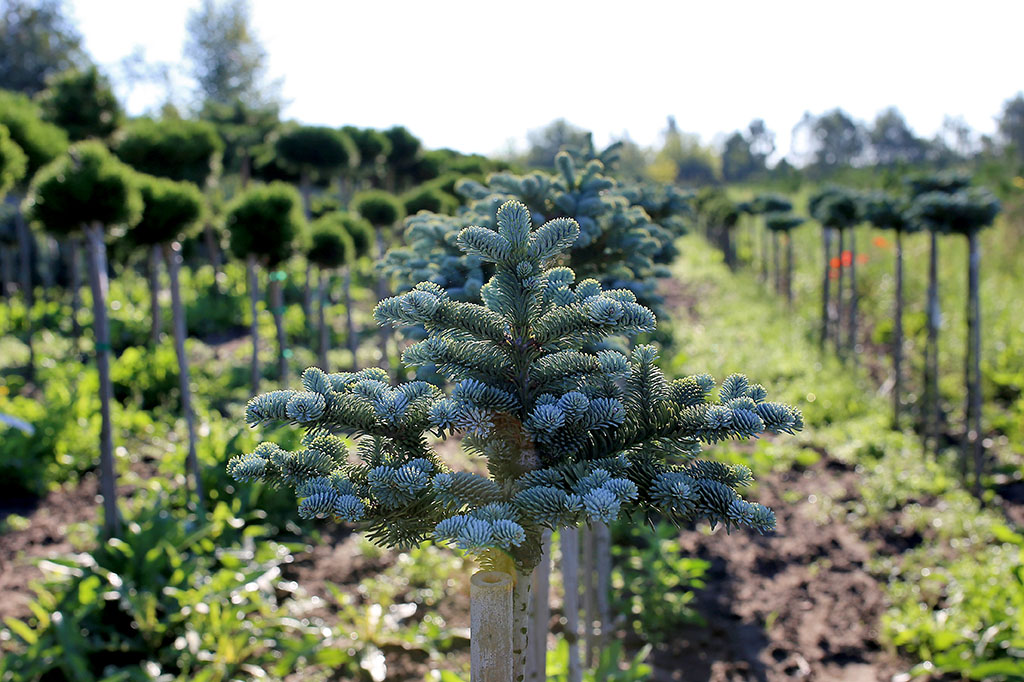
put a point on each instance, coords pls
(961, 212)
(175, 149)
(330, 244)
(12, 162)
(360, 232)
(85, 186)
(170, 209)
(41, 142)
(315, 149)
(266, 221)
(381, 209)
(782, 222)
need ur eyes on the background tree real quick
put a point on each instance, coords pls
(184, 151)
(265, 224)
(225, 58)
(762, 141)
(719, 216)
(965, 212)
(41, 143)
(37, 40)
(12, 162)
(383, 211)
(428, 198)
(373, 148)
(330, 247)
(88, 189)
(82, 103)
(738, 162)
(360, 233)
(684, 160)
(171, 210)
(837, 211)
(243, 129)
(945, 183)
(315, 153)
(402, 157)
(746, 154)
(12, 170)
(177, 149)
(783, 224)
(764, 205)
(893, 142)
(837, 140)
(1011, 125)
(887, 212)
(546, 142)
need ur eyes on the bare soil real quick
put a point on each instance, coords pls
(44, 537)
(796, 604)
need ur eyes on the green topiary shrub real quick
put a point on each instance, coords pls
(171, 148)
(82, 103)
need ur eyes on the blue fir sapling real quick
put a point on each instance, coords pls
(619, 243)
(569, 436)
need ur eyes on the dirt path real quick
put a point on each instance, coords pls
(44, 537)
(798, 604)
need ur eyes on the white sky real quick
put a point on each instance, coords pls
(474, 76)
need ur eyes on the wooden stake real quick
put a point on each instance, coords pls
(490, 613)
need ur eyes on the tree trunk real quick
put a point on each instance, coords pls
(589, 597)
(974, 402)
(6, 271)
(27, 293)
(353, 340)
(931, 363)
(101, 330)
(245, 168)
(571, 602)
(776, 267)
(603, 559)
(764, 253)
(897, 336)
(826, 295)
(277, 307)
(213, 253)
(852, 340)
(324, 335)
(838, 329)
(307, 295)
(306, 190)
(48, 258)
(154, 295)
(172, 253)
(74, 250)
(490, 613)
(789, 269)
(382, 293)
(540, 617)
(254, 327)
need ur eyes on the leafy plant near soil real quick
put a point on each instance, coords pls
(646, 557)
(569, 436)
(166, 600)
